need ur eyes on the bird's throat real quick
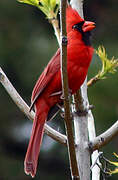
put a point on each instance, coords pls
(86, 38)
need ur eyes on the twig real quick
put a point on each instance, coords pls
(92, 81)
(105, 137)
(55, 25)
(25, 108)
(68, 120)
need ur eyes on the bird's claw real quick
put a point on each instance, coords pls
(56, 93)
(69, 93)
(62, 114)
(62, 97)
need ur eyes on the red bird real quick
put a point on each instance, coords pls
(48, 89)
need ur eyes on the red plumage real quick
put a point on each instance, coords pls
(79, 55)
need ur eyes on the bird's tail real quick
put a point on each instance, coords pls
(31, 158)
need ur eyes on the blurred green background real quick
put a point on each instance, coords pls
(27, 42)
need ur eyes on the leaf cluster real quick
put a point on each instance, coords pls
(48, 7)
(108, 65)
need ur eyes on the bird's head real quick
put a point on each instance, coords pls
(74, 21)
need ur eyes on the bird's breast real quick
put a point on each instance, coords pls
(79, 59)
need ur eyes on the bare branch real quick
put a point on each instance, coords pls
(104, 138)
(25, 108)
(64, 76)
(92, 134)
(80, 123)
(81, 140)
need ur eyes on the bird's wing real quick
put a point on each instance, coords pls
(47, 75)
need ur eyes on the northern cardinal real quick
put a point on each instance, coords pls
(48, 89)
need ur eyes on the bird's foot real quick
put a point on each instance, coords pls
(69, 93)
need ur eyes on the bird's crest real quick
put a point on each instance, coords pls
(72, 18)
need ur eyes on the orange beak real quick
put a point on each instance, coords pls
(88, 26)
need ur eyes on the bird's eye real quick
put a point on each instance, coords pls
(75, 26)
(78, 26)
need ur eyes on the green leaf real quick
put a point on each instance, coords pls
(108, 65)
(31, 2)
(48, 7)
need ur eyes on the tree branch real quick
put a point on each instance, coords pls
(92, 134)
(68, 119)
(81, 123)
(25, 108)
(104, 138)
(81, 140)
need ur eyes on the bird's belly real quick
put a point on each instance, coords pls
(76, 77)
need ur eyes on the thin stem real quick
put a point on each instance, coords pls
(92, 81)
(68, 120)
(55, 25)
(105, 137)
